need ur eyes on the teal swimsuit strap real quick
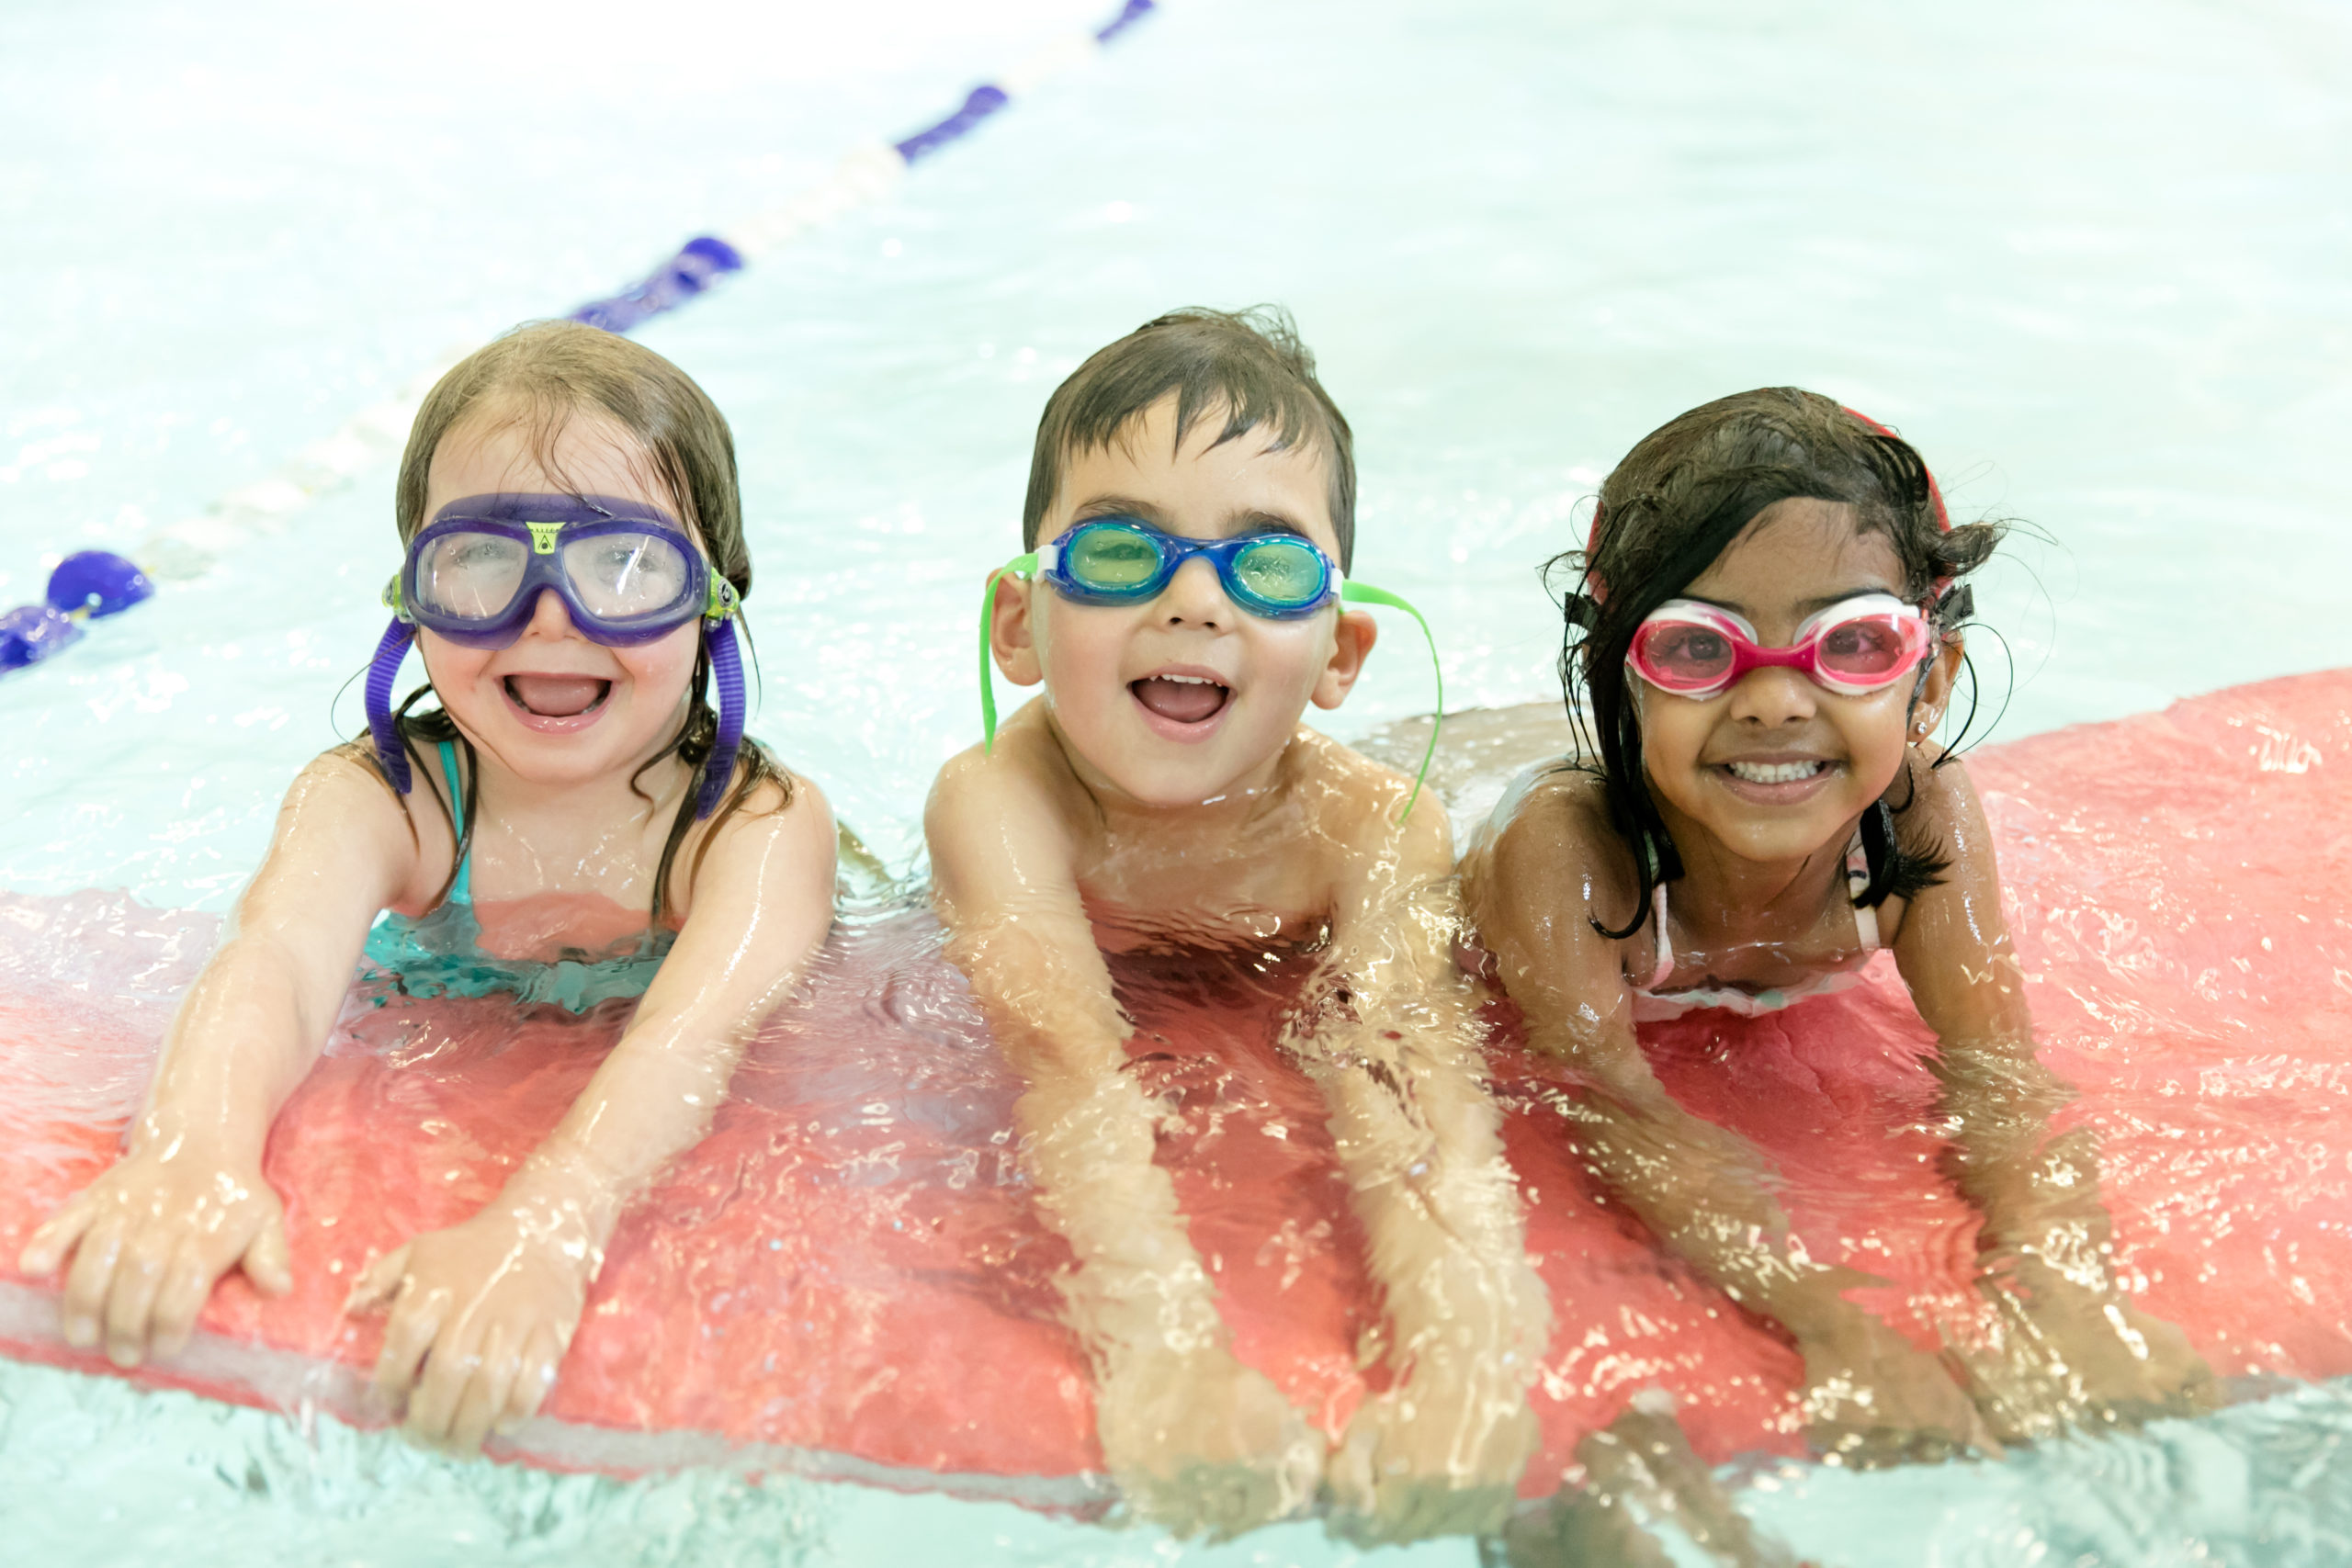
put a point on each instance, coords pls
(462, 885)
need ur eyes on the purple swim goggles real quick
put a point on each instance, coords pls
(626, 573)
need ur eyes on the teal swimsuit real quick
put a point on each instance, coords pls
(439, 952)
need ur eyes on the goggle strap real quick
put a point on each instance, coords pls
(1365, 593)
(727, 665)
(391, 753)
(1020, 565)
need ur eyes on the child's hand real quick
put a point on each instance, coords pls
(1440, 1454)
(1201, 1444)
(148, 1239)
(2090, 1351)
(485, 1310)
(1872, 1397)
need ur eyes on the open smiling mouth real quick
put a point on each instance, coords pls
(1181, 699)
(556, 697)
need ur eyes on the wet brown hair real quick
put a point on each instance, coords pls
(1249, 362)
(541, 377)
(1674, 504)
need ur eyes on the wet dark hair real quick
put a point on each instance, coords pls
(1674, 504)
(541, 377)
(1249, 363)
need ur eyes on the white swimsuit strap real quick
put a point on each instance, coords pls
(1665, 965)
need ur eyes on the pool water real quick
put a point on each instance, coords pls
(2089, 259)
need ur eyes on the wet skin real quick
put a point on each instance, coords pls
(478, 1315)
(1762, 903)
(1129, 808)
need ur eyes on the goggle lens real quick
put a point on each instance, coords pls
(1281, 572)
(1869, 649)
(469, 576)
(1677, 654)
(1111, 559)
(624, 576)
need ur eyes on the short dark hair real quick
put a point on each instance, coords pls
(1249, 363)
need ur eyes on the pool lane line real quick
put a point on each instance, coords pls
(89, 584)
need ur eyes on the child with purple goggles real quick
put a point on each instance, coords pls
(626, 573)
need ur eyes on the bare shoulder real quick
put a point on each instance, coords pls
(1367, 807)
(1015, 810)
(1550, 848)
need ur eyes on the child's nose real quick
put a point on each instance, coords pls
(1195, 597)
(549, 619)
(1774, 696)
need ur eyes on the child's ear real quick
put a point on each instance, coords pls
(1351, 638)
(1942, 673)
(1011, 638)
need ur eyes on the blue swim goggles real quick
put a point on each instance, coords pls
(627, 573)
(1120, 560)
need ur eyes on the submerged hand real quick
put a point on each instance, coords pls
(1201, 1444)
(2087, 1351)
(484, 1312)
(1871, 1397)
(1439, 1454)
(148, 1238)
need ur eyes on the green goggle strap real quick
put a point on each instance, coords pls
(1365, 593)
(1350, 593)
(1019, 566)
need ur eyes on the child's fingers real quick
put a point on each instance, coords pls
(454, 1361)
(188, 1284)
(48, 1246)
(377, 1284)
(131, 1300)
(534, 1378)
(87, 1282)
(486, 1391)
(415, 1324)
(266, 1260)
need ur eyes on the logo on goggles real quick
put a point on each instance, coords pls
(1699, 650)
(1118, 561)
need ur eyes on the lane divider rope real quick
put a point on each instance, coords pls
(94, 583)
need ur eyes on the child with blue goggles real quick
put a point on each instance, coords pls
(1182, 601)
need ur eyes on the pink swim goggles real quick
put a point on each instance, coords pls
(1858, 645)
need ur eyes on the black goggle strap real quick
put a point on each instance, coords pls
(1365, 593)
(1019, 566)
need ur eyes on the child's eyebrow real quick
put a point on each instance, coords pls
(1119, 506)
(1809, 605)
(1260, 522)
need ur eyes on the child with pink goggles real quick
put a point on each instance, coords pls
(1699, 650)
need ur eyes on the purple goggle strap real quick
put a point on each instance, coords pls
(726, 664)
(390, 753)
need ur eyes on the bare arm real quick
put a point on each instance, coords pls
(187, 1202)
(1398, 1057)
(2045, 1232)
(489, 1307)
(1196, 1439)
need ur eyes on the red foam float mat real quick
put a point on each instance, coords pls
(847, 1277)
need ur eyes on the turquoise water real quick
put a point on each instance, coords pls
(2090, 260)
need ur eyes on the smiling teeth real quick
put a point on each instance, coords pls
(1189, 680)
(1774, 773)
